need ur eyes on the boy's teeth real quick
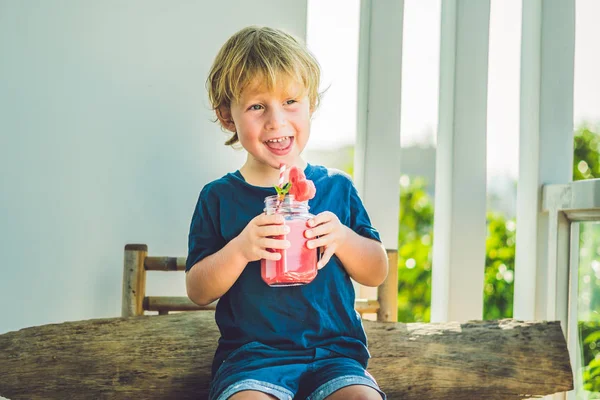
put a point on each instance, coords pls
(279, 143)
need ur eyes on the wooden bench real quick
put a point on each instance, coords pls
(169, 356)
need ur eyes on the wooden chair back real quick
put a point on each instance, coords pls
(135, 301)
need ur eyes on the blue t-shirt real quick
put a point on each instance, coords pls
(319, 314)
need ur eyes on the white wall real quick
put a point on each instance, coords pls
(106, 139)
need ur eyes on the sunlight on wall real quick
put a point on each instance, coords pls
(420, 72)
(503, 106)
(503, 89)
(587, 61)
(332, 35)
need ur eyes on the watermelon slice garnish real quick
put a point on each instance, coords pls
(301, 188)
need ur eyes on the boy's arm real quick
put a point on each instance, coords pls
(364, 259)
(211, 277)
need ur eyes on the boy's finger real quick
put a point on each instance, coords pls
(273, 230)
(273, 219)
(313, 244)
(320, 230)
(268, 255)
(274, 244)
(311, 223)
(320, 219)
(325, 258)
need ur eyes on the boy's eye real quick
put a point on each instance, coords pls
(255, 107)
(291, 101)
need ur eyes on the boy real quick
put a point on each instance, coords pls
(300, 342)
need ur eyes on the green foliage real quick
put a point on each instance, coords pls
(414, 251)
(586, 156)
(589, 336)
(499, 267)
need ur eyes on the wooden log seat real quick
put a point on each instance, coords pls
(169, 357)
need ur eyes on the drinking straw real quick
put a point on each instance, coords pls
(280, 199)
(281, 173)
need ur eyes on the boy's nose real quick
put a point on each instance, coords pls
(275, 120)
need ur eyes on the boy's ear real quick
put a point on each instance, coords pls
(224, 115)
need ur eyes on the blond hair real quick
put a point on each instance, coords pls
(260, 52)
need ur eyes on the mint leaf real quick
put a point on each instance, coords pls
(282, 191)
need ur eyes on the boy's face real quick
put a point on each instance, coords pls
(272, 125)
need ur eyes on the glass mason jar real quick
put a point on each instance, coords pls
(298, 263)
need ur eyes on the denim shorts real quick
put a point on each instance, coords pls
(288, 374)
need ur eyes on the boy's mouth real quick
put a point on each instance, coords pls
(280, 145)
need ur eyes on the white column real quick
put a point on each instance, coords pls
(545, 157)
(557, 270)
(530, 237)
(575, 350)
(460, 189)
(546, 150)
(377, 154)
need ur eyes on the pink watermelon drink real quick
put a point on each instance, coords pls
(298, 263)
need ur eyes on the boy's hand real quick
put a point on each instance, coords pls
(330, 233)
(256, 238)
